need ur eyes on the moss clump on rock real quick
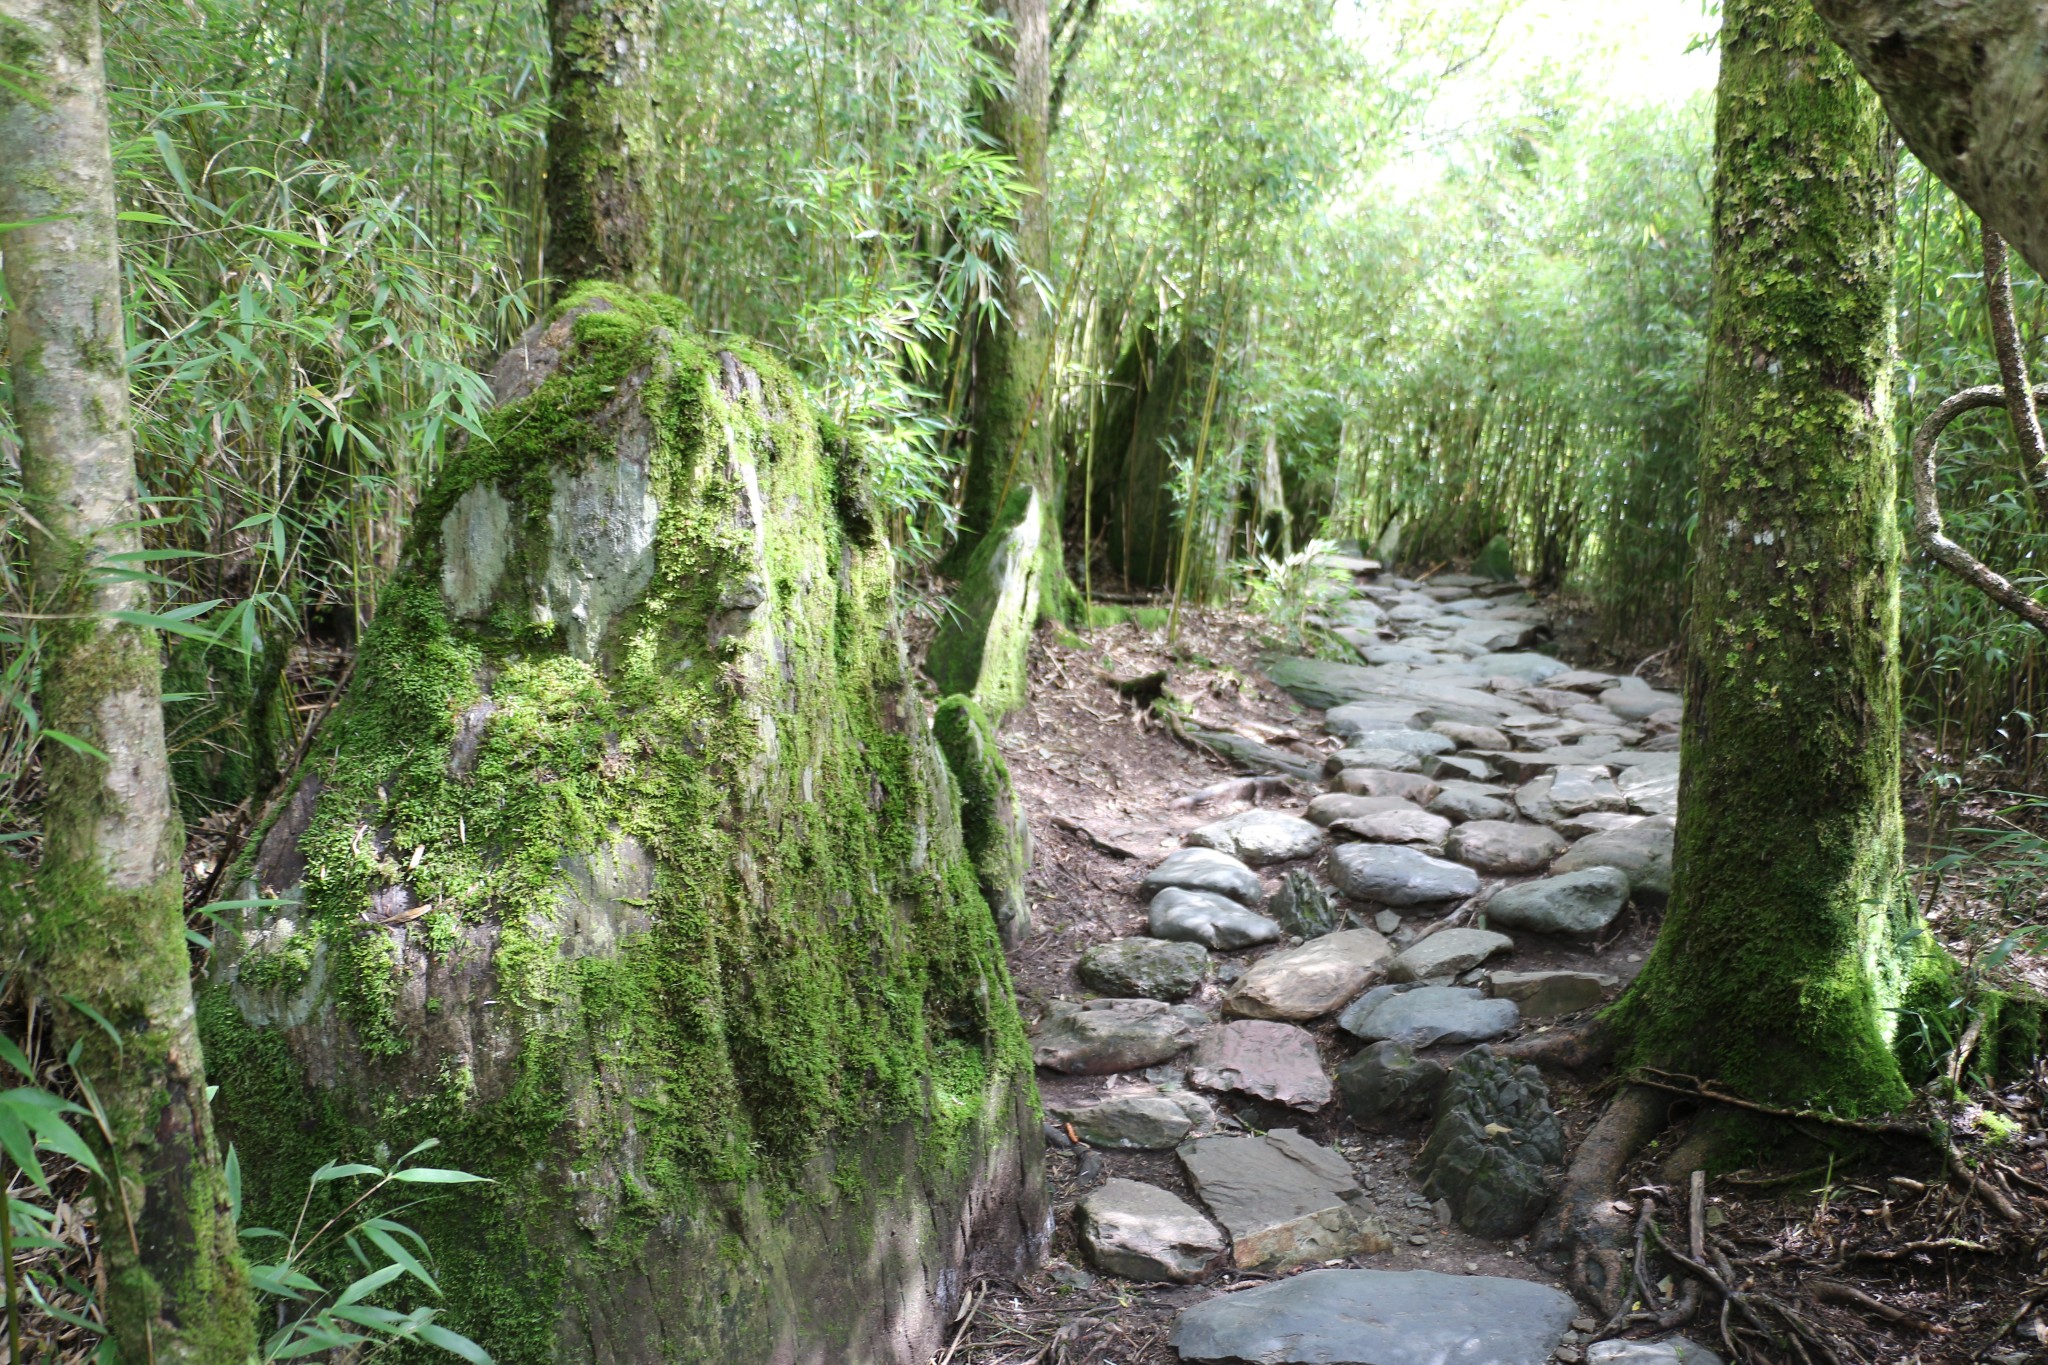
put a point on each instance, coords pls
(651, 904)
(981, 646)
(993, 824)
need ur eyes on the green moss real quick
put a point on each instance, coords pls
(991, 823)
(982, 646)
(814, 963)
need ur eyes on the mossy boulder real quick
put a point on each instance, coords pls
(991, 819)
(982, 645)
(629, 870)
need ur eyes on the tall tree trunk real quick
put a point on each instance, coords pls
(108, 928)
(602, 222)
(1011, 396)
(1966, 82)
(1787, 939)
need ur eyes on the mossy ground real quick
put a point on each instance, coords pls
(819, 963)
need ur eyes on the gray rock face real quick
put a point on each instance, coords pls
(1387, 1084)
(1208, 919)
(1104, 1036)
(1386, 760)
(1153, 968)
(1670, 1351)
(1394, 874)
(1463, 800)
(1417, 742)
(980, 647)
(1144, 1233)
(1261, 837)
(1378, 1317)
(476, 540)
(1456, 768)
(1528, 668)
(1642, 851)
(1574, 790)
(1494, 1138)
(1448, 952)
(1471, 736)
(1503, 848)
(991, 817)
(1301, 906)
(1541, 995)
(1386, 782)
(600, 543)
(1331, 807)
(1137, 1123)
(1423, 1016)
(1204, 869)
(1361, 718)
(1321, 976)
(1411, 826)
(1581, 902)
(1593, 822)
(1284, 1199)
(1637, 703)
(1276, 1062)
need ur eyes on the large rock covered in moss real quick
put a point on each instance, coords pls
(997, 834)
(628, 869)
(982, 644)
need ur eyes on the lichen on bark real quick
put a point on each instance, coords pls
(662, 921)
(1788, 945)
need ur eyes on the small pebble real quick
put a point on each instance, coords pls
(1416, 1239)
(1569, 1355)
(1471, 1267)
(1585, 1324)
(1386, 921)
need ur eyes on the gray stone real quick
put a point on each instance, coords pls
(1387, 922)
(1273, 1061)
(1448, 952)
(1144, 1233)
(1670, 1351)
(1461, 800)
(1204, 869)
(1422, 1016)
(1103, 1036)
(1471, 736)
(1574, 791)
(1493, 1141)
(1541, 995)
(1387, 1084)
(1642, 851)
(476, 541)
(980, 647)
(600, 543)
(1362, 717)
(1261, 837)
(1417, 742)
(1208, 919)
(991, 817)
(1532, 668)
(1301, 906)
(1649, 790)
(1411, 826)
(1155, 968)
(1532, 801)
(1331, 807)
(1386, 760)
(1378, 1317)
(1581, 680)
(1324, 685)
(1593, 822)
(1284, 1200)
(1637, 703)
(1380, 653)
(1386, 782)
(1503, 848)
(1581, 902)
(1249, 753)
(1321, 976)
(1130, 1123)
(1456, 768)
(1394, 874)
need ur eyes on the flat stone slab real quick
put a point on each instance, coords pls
(1378, 1317)
(1642, 851)
(1154, 968)
(1273, 1061)
(1504, 848)
(1410, 786)
(1104, 1036)
(1395, 874)
(1581, 902)
(1361, 717)
(1284, 1200)
(1321, 976)
(1205, 869)
(1144, 1233)
(1670, 1351)
(1411, 826)
(1208, 919)
(1448, 952)
(1422, 1016)
(1544, 994)
(1417, 742)
(1259, 838)
(1576, 790)
(1466, 800)
(1639, 702)
(1331, 807)
(1148, 1122)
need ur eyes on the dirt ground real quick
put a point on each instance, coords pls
(1871, 1258)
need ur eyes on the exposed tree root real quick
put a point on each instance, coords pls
(1584, 1047)
(1585, 1233)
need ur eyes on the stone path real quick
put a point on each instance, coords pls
(1336, 965)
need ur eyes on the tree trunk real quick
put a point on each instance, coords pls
(1011, 396)
(1787, 942)
(602, 222)
(1966, 83)
(109, 926)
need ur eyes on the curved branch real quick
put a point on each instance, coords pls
(1927, 508)
(2012, 367)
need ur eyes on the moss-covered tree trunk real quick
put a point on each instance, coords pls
(628, 868)
(602, 220)
(1788, 943)
(108, 926)
(1010, 394)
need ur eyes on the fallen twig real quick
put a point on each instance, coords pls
(1092, 839)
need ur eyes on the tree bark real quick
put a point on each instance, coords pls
(1011, 395)
(602, 221)
(1786, 940)
(1966, 84)
(108, 923)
